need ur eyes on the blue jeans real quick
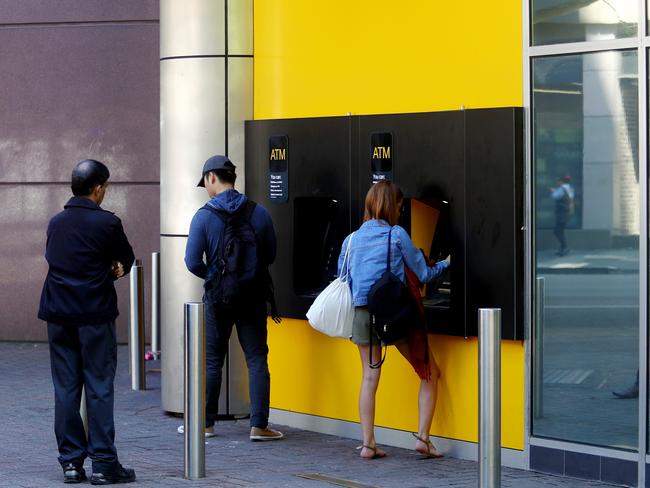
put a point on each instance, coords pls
(80, 356)
(250, 320)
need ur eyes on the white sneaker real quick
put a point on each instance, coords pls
(208, 433)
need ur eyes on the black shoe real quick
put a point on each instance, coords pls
(631, 392)
(73, 473)
(118, 475)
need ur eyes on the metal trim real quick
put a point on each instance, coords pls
(528, 241)
(458, 449)
(583, 47)
(642, 59)
(584, 449)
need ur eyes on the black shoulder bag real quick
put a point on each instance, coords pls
(392, 309)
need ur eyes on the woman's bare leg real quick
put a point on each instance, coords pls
(427, 398)
(369, 384)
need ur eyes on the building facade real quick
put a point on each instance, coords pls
(577, 69)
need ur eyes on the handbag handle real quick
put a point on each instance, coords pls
(345, 268)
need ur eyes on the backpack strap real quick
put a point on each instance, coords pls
(388, 254)
(249, 208)
(223, 216)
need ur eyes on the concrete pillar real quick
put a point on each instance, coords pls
(206, 94)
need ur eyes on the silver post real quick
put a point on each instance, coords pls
(155, 304)
(489, 438)
(83, 412)
(194, 391)
(538, 353)
(136, 328)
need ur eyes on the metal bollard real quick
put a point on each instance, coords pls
(155, 304)
(489, 438)
(136, 328)
(538, 353)
(194, 423)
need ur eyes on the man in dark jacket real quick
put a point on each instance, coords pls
(248, 310)
(86, 251)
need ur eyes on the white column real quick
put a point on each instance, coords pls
(206, 93)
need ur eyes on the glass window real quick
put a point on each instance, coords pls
(557, 21)
(586, 166)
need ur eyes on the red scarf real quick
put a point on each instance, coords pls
(417, 340)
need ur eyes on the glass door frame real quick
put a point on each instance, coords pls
(641, 43)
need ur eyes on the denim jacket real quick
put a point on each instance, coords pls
(368, 258)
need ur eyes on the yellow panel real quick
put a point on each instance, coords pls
(317, 375)
(330, 57)
(333, 57)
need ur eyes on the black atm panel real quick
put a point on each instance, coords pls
(494, 174)
(428, 165)
(466, 164)
(318, 203)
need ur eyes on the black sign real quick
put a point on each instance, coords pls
(381, 156)
(279, 169)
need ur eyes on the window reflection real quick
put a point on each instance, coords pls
(557, 21)
(585, 158)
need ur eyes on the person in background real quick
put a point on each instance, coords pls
(211, 225)
(86, 252)
(367, 263)
(564, 197)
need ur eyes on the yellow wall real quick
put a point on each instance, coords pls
(317, 375)
(330, 57)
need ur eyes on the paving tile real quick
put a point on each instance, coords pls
(146, 440)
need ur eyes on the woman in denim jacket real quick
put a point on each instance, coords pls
(367, 264)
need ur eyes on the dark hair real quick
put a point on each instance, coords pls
(224, 175)
(86, 175)
(381, 202)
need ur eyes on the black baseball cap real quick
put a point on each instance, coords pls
(214, 163)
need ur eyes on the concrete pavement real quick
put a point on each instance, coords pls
(148, 442)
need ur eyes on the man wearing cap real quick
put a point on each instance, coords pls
(86, 252)
(247, 311)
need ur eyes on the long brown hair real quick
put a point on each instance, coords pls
(382, 202)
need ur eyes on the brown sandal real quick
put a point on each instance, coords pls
(428, 454)
(375, 454)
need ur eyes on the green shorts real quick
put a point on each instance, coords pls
(361, 329)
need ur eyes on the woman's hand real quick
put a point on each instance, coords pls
(448, 260)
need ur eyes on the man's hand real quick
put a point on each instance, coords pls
(118, 269)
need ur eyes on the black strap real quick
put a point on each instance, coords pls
(372, 317)
(246, 210)
(388, 255)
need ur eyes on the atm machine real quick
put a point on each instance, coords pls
(307, 195)
(461, 173)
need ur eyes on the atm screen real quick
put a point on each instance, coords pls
(429, 226)
(316, 244)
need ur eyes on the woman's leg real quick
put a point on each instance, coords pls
(369, 384)
(427, 398)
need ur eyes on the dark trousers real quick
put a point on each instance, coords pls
(250, 320)
(560, 225)
(84, 356)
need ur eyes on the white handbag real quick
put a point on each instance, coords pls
(332, 311)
